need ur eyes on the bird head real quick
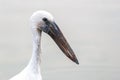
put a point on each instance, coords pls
(44, 21)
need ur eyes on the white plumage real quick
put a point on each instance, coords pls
(43, 21)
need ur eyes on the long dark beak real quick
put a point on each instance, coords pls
(56, 34)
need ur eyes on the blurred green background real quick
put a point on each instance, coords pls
(92, 27)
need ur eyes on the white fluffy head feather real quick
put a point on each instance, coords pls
(39, 15)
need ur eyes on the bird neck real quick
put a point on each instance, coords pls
(34, 63)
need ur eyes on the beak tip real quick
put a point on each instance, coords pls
(76, 61)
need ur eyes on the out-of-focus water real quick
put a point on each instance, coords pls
(92, 27)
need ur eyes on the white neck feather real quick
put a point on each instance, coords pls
(34, 63)
(32, 71)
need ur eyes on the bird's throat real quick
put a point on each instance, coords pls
(34, 63)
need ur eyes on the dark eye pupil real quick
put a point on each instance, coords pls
(45, 19)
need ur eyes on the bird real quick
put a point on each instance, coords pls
(43, 21)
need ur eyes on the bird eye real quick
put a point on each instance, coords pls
(45, 19)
